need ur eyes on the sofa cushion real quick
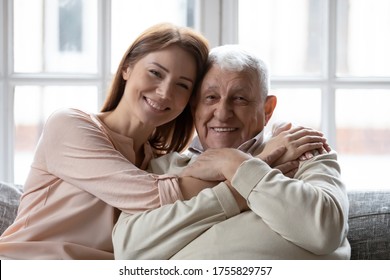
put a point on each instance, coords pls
(369, 225)
(9, 202)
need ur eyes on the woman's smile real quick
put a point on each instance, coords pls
(155, 105)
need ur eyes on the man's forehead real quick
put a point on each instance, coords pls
(216, 75)
(233, 81)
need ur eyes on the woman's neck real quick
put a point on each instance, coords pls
(124, 125)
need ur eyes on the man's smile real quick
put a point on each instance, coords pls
(224, 129)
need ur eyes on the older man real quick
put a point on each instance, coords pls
(304, 217)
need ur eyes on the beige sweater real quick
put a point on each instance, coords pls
(300, 218)
(81, 175)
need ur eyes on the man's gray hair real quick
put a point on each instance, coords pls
(236, 58)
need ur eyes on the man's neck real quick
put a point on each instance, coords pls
(252, 146)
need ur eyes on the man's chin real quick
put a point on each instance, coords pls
(222, 144)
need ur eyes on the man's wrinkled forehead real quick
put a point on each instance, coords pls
(236, 81)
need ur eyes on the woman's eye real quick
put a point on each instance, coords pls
(155, 73)
(183, 86)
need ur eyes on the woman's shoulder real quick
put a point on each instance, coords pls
(65, 113)
(68, 117)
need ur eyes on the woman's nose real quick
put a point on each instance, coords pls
(165, 90)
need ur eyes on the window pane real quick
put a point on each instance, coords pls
(363, 45)
(287, 34)
(298, 106)
(55, 36)
(363, 136)
(33, 105)
(130, 18)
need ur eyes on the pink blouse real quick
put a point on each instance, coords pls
(81, 177)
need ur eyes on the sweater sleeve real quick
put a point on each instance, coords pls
(162, 232)
(310, 210)
(77, 151)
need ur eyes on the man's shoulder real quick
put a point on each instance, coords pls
(171, 163)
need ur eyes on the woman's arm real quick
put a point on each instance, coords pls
(76, 150)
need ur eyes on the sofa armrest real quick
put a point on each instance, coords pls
(369, 224)
(9, 203)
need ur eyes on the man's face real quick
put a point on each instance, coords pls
(229, 109)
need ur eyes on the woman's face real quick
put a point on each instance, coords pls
(159, 85)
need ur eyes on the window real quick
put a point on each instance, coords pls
(330, 70)
(62, 53)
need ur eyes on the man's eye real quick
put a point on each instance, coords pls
(240, 99)
(209, 99)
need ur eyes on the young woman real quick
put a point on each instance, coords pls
(89, 167)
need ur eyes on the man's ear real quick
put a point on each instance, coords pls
(269, 107)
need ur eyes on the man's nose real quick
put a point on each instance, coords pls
(223, 110)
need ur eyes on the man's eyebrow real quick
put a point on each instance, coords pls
(240, 88)
(211, 87)
(166, 70)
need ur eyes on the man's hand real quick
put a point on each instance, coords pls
(288, 169)
(301, 143)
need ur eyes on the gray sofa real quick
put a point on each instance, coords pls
(369, 220)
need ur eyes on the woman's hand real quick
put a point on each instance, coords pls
(216, 164)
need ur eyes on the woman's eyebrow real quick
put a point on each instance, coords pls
(159, 65)
(166, 70)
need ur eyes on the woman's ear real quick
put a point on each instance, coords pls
(269, 107)
(126, 73)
